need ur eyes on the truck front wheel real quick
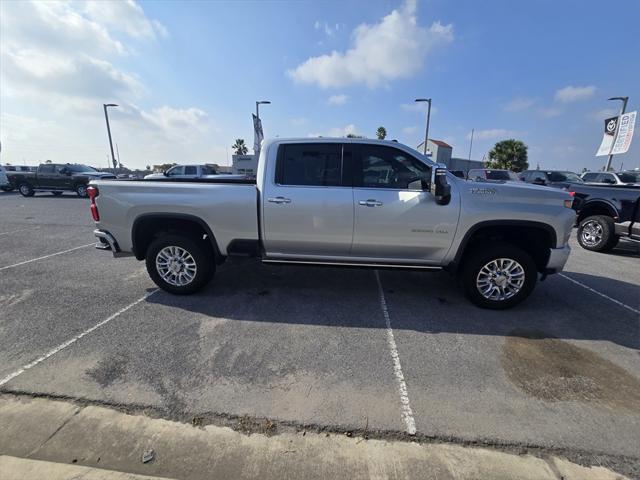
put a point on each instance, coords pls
(179, 264)
(26, 190)
(498, 276)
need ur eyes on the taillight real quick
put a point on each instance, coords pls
(93, 193)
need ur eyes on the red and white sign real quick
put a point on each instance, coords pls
(625, 133)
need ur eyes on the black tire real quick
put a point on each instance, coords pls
(26, 190)
(57, 194)
(482, 256)
(199, 251)
(81, 190)
(597, 233)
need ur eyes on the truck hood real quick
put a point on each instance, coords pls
(513, 192)
(96, 175)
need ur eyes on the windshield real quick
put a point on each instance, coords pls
(501, 175)
(80, 168)
(629, 177)
(564, 177)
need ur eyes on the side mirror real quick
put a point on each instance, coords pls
(440, 188)
(539, 181)
(164, 172)
(64, 171)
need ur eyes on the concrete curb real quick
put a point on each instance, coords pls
(13, 468)
(100, 438)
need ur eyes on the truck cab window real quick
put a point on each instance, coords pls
(386, 167)
(191, 170)
(318, 165)
(175, 171)
(46, 169)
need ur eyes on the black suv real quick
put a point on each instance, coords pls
(551, 178)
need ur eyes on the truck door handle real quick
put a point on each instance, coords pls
(370, 203)
(278, 200)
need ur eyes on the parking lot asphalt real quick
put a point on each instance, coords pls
(336, 348)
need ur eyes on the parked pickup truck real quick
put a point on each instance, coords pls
(183, 171)
(56, 178)
(605, 214)
(349, 202)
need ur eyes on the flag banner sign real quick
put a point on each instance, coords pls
(625, 133)
(610, 126)
(258, 135)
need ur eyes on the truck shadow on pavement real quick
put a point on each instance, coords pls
(428, 303)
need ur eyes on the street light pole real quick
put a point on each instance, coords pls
(258, 103)
(471, 144)
(426, 133)
(615, 134)
(106, 117)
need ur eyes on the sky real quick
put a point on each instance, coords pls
(186, 76)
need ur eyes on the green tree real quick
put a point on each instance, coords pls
(509, 155)
(381, 133)
(239, 147)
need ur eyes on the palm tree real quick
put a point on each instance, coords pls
(509, 155)
(239, 147)
(381, 133)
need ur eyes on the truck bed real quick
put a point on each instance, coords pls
(228, 206)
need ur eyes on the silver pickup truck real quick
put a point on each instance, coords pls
(350, 202)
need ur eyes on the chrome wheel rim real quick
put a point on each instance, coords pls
(176, 266)
(82, 191)
(500, 279)
(24, 189)
(591, 233)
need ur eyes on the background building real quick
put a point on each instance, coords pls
(244, 164)
(441, 152)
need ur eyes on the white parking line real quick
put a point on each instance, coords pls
(407, 413)
(16, 231)
(618, 302)
(73, 340)
(46, 256)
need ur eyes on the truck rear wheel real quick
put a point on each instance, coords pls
(179, 264)
(498, 276)
(26, 190)
(597, 233)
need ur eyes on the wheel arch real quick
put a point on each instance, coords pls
(148, 226)
(536, 238)
(597, 207)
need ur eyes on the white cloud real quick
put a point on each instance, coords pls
(54, 65)
(126, 16)
(518, 104)
(574, 94)
(394, 48)
(53, 27)
(492, 133)
(328, 30)
(340, 99)
(343, 132)
(550, 112)
(337, 132)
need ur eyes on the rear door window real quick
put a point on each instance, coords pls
(46, 169)
(310, 164)
(191, 170)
